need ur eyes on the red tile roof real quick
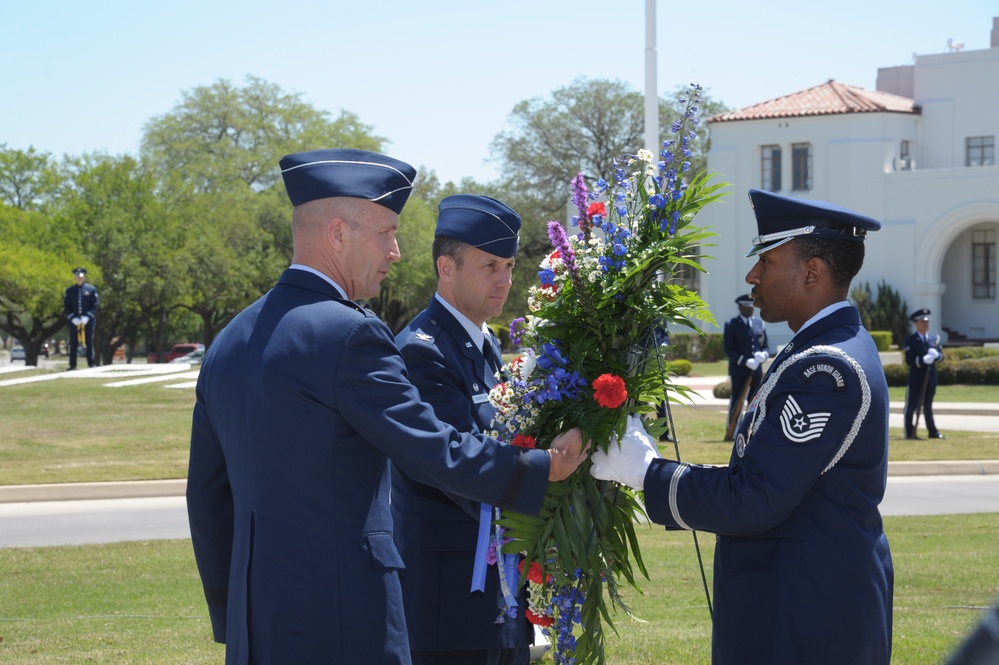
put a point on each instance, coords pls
(830, 98)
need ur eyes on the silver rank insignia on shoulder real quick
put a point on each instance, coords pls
(799, 426)
(424, 337)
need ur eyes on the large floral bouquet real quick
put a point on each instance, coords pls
(590, 357)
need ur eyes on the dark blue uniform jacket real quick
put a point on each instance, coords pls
(437, 533)
(301, 401)
(803, 572)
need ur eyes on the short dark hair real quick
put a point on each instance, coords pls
(445, 246)
(844, 257)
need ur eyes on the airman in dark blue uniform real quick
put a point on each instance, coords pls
(803, 572)
(745, 340)
(301, 403)
(456, 604)
(80, 304)
(922, 351)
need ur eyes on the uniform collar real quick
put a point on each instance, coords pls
(477, 335)
(327, 278)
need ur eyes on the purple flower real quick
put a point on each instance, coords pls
(560, 242)
(516, 331)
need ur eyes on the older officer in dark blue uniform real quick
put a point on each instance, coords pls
(455, 604)
(301, 402)
(803, 571)
(922, 351)
(80, 304)
(745, 339)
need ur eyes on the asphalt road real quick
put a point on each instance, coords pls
(89, 521)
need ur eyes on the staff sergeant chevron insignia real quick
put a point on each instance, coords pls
(800, 427)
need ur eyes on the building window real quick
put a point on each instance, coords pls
(801, 166)
(980, 151)
(983, 265)
(770, 168)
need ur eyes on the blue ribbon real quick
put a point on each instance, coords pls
(482, 548)
(506, 564)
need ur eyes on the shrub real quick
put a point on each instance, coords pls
(973, 372)
(697, 347)
(681, 367)
(723, 390)
(882, 339)
(886, 312)
(969, 352)
(897, 374)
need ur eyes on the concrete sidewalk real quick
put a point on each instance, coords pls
(949, 416)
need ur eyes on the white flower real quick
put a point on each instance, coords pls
(528, 362)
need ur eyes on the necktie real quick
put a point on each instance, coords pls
(490, 354)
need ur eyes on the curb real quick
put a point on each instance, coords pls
(945, 468)
(134, 489)
(127, 489)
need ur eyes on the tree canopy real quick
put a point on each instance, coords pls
(184, 235)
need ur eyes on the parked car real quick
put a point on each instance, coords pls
(17, 351)
(193, 358)
(176, 351)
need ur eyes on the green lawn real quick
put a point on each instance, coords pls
(78, 430)
(141, 603)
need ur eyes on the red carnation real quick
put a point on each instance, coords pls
(533, 573)
(525, 441)
(542, 620)
(609, 391)
(595, 209)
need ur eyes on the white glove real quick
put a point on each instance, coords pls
(84, 319)
(761, 356)
(929, 358)
(627, 462)
(75, 320)
(936, 354)
(752, 363)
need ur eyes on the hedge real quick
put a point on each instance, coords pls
(974, 372)
(882, 339)
(696, 347)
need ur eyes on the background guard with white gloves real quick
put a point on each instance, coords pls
(80, 305)
(747, 348)
(922, 352)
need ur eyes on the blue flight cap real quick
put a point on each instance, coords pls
(781, 218)
(358, 174)
(480, 221)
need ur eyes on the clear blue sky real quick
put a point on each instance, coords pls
(438, 78)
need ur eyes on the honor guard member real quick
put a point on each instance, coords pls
(80, 304)
(745, 339)
(456, 605)
(802, 570)
(922, 351)
(301, 403)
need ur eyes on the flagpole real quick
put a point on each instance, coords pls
(651, 96)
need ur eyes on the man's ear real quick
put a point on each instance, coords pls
(336, 229)
(816, 271)
(446, 268)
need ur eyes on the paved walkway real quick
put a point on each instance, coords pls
(953, 416)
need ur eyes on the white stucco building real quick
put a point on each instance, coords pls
(918, 154)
